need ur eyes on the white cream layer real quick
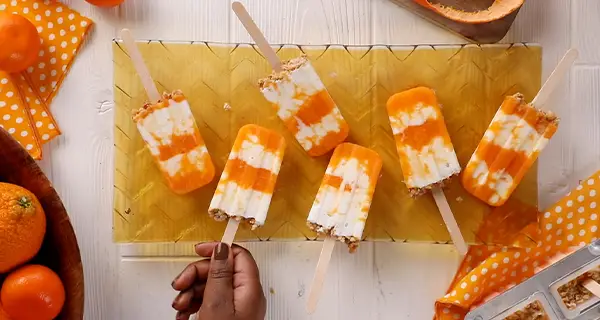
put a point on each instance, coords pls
(162, 124)
(309, 136)
(195, 156)
(236, 201)
(403, 120)
(343, 211)
(499, 181)
(433, 163)
(302, 83)
(254, 154)
(515, 133)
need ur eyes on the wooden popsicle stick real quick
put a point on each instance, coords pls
(317, 284)
(139, 65)
(448, 216)
(256, 35)
(230, 231)
(562, 68)
(592, 287)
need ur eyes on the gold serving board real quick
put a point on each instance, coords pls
(220, 81)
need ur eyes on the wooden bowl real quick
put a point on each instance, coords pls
(60, 251)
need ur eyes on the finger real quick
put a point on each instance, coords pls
(186, 314)
(194, 272)
(218, 295)
(244, 263)
(184, 300)
(205, 249)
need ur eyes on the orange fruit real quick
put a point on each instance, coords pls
(22, 226)
(19, 43)
(3, 314)
(32, 292)
(105, 3)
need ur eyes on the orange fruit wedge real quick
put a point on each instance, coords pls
(22, 226)
(19, 43)
(497, 10)
(32, 292)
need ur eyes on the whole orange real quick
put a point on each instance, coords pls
(22, 226)
(19, 43)
(105, 3)
(32, 292)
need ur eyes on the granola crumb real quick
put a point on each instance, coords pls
(286, 68)
(532, 311)
(226, 106)
(221, 215)
(459, 199)
(163, 102)
(415, 192)
(574, 293)
(351, 242)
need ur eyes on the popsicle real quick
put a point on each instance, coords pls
(170, 132)
(426, 152)
(304, 105)
(342, 205)
(248, 180)
(514, 139)
(299, 96)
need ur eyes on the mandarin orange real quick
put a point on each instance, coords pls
(32, 292)
(22, 226)
(19, 43)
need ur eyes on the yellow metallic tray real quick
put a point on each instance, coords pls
(220, 81)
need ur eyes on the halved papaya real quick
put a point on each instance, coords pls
(497, 10)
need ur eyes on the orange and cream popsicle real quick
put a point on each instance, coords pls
(246, 186)
(305, 106)
(169, 129)
(426, 153)
(342, 203)
(511, 144)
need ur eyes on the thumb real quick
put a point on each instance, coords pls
(218, 295)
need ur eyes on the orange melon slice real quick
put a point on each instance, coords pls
(498, 10)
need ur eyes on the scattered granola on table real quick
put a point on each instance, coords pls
(574, 293)
(532, 311)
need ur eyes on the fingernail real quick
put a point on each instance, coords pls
(222, 251)
(175, 280)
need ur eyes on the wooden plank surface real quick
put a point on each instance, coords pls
(80, 163)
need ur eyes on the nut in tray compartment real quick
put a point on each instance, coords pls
(536, 307)
(570, 293)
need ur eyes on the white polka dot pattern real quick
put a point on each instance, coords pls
(24, 98)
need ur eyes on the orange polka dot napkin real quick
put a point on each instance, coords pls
(25, 97)
(489, 270)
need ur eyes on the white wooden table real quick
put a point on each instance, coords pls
(380, 281)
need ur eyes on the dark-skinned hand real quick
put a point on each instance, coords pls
(225, 287)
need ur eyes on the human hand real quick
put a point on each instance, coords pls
(226, 287)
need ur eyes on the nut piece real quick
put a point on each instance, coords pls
(574, 293)
(532, 311)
